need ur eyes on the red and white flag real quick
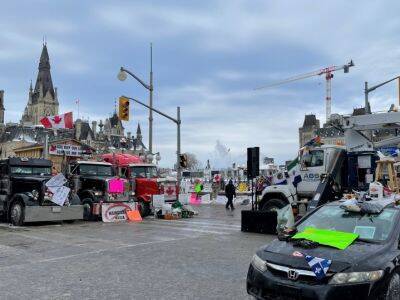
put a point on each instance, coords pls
(58, 122)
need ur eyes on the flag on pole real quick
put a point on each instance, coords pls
(294, 172)
(319, 266)
(59, 121)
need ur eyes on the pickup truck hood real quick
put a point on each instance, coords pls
(359, 253)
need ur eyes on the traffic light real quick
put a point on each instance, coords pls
(123, 112)
(183, 161)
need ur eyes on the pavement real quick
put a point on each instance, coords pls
(205, 257)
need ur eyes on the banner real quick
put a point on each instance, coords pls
(116, 212)
(68, 150)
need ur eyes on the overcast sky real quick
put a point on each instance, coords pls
(208, 58)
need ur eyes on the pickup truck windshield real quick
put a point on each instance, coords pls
(144, 171)
(27, 170)
(96, 170)
(375, 227)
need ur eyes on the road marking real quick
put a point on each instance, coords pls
(170, 226)
(52, 259)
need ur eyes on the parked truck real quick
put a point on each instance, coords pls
(145, 180)
(329, 170)
(24, 196)
(91, 181)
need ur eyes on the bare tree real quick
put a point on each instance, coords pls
(192, 162)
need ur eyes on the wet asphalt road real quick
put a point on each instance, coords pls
(205, 257)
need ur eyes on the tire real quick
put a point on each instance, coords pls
(17, 214)
(87, 210)
(393, 288)
(144, 208)
(273, 205)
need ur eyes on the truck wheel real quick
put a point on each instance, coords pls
(144, 208)
(17, 214)
(273, 205)
(88, 209)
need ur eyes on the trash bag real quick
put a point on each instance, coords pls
(285, 218)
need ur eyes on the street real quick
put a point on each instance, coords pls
(205, 257)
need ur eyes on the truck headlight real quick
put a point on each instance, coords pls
(356, 277)
(258, 263)
(132, 193)
(98, 193)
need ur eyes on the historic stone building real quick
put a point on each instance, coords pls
(105, 136)
(42, 101)
(307, 131)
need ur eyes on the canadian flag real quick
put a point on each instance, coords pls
(58, 122)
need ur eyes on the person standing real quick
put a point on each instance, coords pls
(230, 192)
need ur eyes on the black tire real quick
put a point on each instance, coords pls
(144, 208)
(17, 214)
(273, 205)
(393, 288)
(75, 200)
(88, 209)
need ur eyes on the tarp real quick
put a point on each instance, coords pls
(336, 239)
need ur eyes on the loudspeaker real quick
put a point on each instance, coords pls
(259, 221)
(253, 162)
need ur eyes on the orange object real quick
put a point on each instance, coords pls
(134, 215)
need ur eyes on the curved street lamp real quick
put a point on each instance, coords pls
(122, 75)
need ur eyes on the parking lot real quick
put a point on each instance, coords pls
(205, 257)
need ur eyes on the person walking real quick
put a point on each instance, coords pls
(230, 192)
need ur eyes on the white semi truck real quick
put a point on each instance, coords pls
(329, 170)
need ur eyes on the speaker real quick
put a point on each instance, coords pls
(259, 221)
(253, 162)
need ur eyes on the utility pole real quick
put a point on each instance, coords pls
(151, 101)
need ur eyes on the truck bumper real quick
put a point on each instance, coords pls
(53, 213)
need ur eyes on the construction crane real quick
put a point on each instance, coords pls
(328, 77)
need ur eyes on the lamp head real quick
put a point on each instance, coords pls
(122, 75)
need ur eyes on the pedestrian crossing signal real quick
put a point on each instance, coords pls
(123, 112)
(183, 161)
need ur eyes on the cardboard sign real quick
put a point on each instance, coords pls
(134, 215)
(158, 201)
(116, 186)
(116, 212)
(55, 182)
(60, 195)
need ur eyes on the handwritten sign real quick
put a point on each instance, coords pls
(68, 150)
(60, 195)
(57, 188)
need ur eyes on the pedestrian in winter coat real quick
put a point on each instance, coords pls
(230, 192)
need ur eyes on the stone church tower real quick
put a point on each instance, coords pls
(43, 99)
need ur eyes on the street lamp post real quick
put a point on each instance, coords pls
(367, 90)
(122, 76)
(178, 122)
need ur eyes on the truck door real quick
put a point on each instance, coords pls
(312, 166)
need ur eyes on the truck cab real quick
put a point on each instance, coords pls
(24, 196)
(144, 179)
(91, 181)
(314, 163)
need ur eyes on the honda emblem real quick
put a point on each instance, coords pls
(292, 274)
